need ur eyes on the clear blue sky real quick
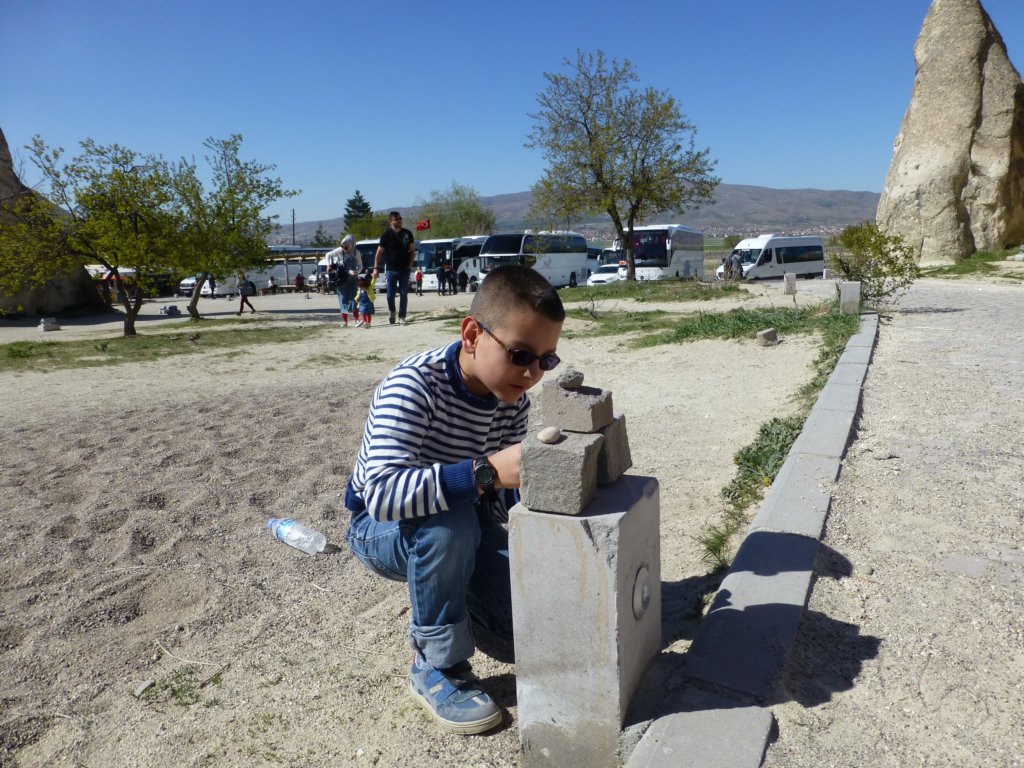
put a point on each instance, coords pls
(400, 102)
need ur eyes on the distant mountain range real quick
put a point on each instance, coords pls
(738, 210)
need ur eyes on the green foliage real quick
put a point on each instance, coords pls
(978, 263)
(652, 290)
(138, 214)
(356, 208)
(222, 227)
(611, 148)
(321, 239)
(731, 241)
(884, 265)
(108, 205)
(455, 212)
(370, 227)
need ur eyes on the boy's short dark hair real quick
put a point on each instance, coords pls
(513, 288)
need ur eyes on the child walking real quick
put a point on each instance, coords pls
(364, 300)
(436, 475)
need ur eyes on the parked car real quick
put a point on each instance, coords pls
(186, 286)
(606, 273)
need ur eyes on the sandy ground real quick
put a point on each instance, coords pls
(134, 511)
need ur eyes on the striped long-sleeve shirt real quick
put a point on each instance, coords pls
(422, 434)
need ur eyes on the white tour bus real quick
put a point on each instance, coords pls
(773, 256)
(430, 254)
(662, 251)
(560, 256)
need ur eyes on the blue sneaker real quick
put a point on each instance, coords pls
(453, 698)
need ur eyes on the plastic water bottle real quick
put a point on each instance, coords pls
(297, 535)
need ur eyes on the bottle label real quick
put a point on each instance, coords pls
(284, 527)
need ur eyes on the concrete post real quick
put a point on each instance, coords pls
(789, 289)
(586, 603)
(849, 298)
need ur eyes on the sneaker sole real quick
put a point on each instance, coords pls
(454, 726)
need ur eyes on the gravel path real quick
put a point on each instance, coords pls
(911, 651)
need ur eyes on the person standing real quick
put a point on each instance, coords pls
(442, 279)
(345, 285)
(398, 249)
(272, 285)
(213, 288)
(419, 282)
(453, 284)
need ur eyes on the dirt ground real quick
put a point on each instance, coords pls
(134, 511)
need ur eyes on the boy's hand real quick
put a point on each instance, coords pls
(506, 466)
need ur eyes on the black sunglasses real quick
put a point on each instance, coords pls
(522, 357)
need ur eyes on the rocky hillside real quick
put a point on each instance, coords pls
(738, 209)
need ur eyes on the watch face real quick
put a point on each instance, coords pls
(484, 473)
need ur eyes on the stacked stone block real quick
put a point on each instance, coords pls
(584, 445)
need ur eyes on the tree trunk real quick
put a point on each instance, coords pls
(193, 304)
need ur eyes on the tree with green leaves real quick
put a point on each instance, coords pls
(109, 206)
(884, 265)
(223, 227)
(368, 227)
(457, 211)
(321, 239)
(356, 209)
(612, 148)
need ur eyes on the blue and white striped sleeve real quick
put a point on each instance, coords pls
(395, 484)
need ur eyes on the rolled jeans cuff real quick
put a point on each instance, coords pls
(443, 646)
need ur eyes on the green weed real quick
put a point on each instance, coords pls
(654, 290)
(980, 263)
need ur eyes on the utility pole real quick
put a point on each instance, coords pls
(293, 226)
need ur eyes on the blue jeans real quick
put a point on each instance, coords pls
(399, 280)
(456, 565)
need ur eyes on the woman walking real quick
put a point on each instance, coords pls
(246, 288)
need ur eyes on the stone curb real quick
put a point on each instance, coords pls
(717, 713)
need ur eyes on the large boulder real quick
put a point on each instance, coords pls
(72, 291)
(956, 183)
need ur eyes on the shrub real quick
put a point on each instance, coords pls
(884, 265)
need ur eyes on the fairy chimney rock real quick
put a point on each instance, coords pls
(956, 182)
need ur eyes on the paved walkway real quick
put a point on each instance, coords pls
(911, 648)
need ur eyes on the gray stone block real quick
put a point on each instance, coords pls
(705, 730)
(848, 373)
(865, 337)
(849, 298)
(799, 498)
(789, 284)
(581, 647)
(826, 432)
(559, 477)
(614, 458)
(586, 409)
(747, 635)
(856, 356)
(837, 396)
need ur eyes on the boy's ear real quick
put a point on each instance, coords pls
(470, 334)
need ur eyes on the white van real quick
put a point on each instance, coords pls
(768, 256)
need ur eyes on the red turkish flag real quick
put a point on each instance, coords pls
(422, 225)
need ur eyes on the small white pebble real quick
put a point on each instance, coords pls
(550, 435)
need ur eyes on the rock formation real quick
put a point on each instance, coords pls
(956, 183)
(73, 291)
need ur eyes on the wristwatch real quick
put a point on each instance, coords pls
(484, 474)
